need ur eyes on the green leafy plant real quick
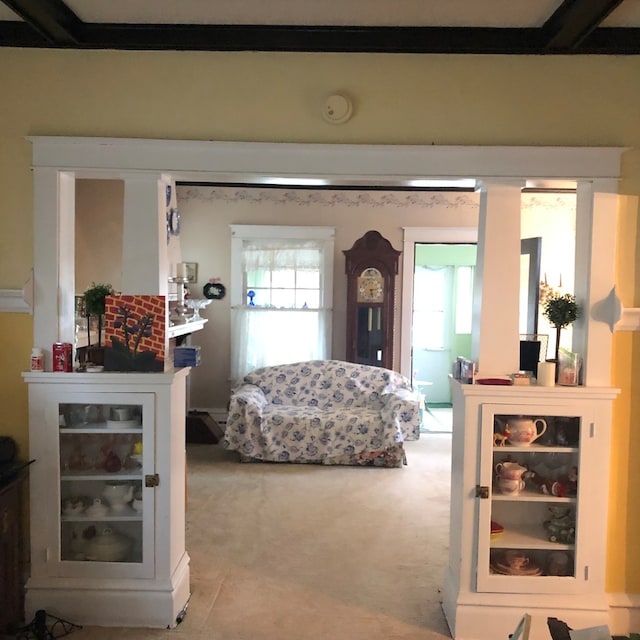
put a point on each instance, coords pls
(94, 304)
(561, 310)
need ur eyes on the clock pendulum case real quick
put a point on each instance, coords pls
(371, 266)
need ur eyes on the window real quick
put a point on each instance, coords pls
(281, 295)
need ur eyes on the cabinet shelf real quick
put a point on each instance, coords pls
(99, 429)
(528, 495)
(529, 537)
(128, 516)
(100, 475)
(534, 448)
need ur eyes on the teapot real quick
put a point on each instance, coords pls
(118, 494)
(523, 431)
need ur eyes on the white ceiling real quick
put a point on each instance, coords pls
(452, 26)
(436, 13)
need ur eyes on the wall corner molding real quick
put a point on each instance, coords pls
(12, 301)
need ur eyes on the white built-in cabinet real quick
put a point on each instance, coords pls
(108, 497)
(547, 555)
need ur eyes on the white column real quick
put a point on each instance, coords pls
(596, 226)
(495, 340)
(53, 246)
(145, 268)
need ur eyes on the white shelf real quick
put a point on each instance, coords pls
(188, 327)
(527, 538)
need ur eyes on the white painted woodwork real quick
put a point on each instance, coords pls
(154, 591)
(494, 333)
(146, 164)
(479, 606)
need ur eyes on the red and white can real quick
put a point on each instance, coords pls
(63, 356)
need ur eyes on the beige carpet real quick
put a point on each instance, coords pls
(309, 552)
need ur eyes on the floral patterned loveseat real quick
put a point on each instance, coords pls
(323, 411)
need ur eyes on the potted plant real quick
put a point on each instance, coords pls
(561, 310)
(94, 303)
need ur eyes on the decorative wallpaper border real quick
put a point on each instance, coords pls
(331, 198)
(363, 198)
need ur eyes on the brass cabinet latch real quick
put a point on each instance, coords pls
(482, 492)
(152, 480)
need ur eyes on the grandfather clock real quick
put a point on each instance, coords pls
(371, 267)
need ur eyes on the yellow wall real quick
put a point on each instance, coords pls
(398, 99)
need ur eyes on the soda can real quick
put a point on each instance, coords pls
(62, 356)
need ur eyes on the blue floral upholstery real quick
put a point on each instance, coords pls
(323, 411)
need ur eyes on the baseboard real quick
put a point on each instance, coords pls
(219, 415)
(624, 613)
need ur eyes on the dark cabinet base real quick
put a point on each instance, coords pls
(11, 587)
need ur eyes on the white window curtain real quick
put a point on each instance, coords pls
(289, 319)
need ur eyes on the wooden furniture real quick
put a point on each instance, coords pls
(556, 523)
(371, 266)
(108, 492)
(11, 586)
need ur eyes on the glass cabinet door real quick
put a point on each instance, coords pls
(528, 500)
(105, 448)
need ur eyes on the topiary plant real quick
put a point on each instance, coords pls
(94, 300)
(561, 310)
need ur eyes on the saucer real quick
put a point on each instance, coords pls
(530, 569)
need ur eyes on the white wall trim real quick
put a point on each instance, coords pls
(456, 235)
(12, 301)
(624, 613)
(629, 320)
(355, 164)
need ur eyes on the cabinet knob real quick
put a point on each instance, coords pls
(152, 480)
(482, 492)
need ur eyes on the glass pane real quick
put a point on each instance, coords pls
(308, 279)
(283, 279)
(428, 330)
(101, 489)
(464, 299)
(283, 298)
(534, 495)
(307, 299)
(257, 279)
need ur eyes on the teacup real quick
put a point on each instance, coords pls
(121, 413)
(510, 470)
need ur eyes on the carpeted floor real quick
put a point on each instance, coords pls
(437, 419)
(309, 552)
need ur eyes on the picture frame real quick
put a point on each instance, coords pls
(192, 271)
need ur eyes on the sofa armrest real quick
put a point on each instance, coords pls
(250, 395)
(402, 408)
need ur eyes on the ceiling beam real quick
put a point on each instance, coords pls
(573, 21)
(52, 19)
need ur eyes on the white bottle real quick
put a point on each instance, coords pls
(37, 359)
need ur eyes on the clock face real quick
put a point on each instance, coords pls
(371, 286)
